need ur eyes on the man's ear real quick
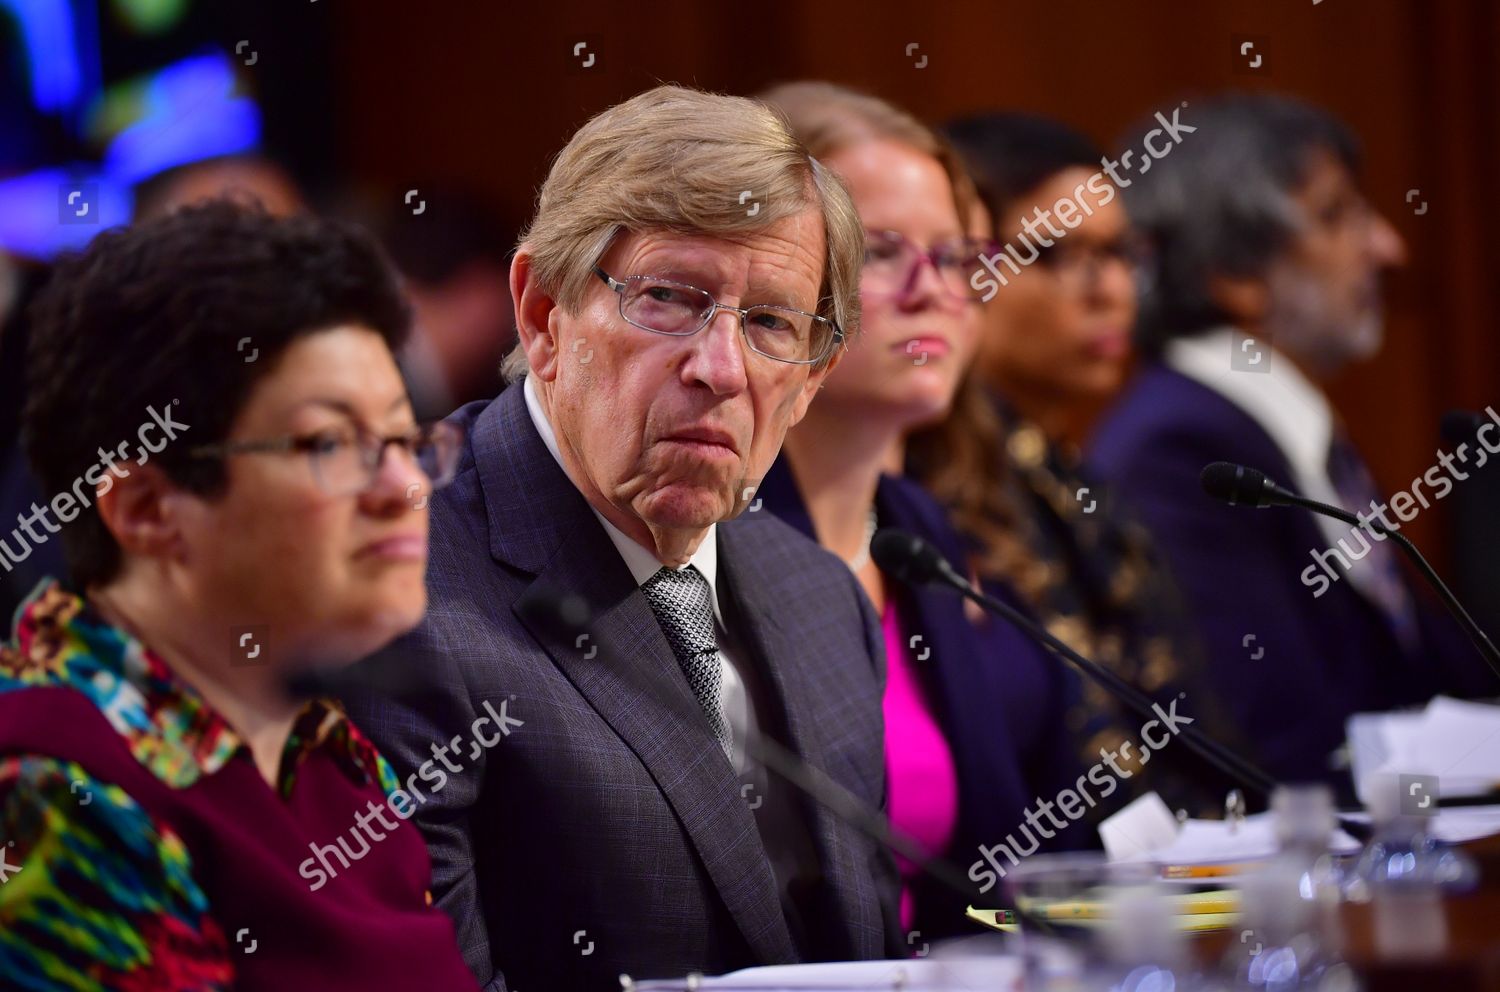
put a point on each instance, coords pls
(812, 385)
(536, 317)
(1246, 299)
(140, 511)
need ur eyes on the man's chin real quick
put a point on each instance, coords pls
(683, 506)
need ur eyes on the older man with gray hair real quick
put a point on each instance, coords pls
(591, 793)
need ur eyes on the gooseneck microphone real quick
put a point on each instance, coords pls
(914, 562)
(1239, 485)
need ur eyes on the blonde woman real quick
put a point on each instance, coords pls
(958, 775)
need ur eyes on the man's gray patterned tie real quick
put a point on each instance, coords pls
(681, 600)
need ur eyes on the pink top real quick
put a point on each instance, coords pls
(919, 764)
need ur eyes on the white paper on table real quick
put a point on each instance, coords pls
(1141, 826)
(1458, 825)
(1454, 739)
(1213, 842)
(1466, 823)
(1468, 748)
(999, 972)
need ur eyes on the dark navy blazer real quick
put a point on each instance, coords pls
(968, 677)
(1289, 667)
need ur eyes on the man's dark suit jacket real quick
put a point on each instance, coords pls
(608, 833)
(1312, 661)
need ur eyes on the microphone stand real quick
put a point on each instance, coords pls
(1226, 761)
(913, 561)
(1216, 754)
(1476, 634)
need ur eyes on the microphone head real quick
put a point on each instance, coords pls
(908, 558)
(1237, 484)
(1460, 425)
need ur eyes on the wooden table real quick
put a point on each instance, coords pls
(1469, 963)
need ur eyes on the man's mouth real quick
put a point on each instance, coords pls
(707, 441)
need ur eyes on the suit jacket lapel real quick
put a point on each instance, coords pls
(783, 663)
(540, 523)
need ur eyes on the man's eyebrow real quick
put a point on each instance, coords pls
(775, 298)
(780, 297)
(697, 270)
(685, 266)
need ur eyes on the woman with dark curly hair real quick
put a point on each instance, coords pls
(240, 495)
(1054, 348)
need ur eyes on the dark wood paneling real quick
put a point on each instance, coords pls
(484, 93)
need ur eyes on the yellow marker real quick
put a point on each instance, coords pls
(1193, 910)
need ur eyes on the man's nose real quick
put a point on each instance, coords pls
(1386, 246)
(717, 354)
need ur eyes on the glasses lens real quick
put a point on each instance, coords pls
(1079, 266)
(787, 335)
(663, 306)
(437, 451)
(957, 263)
(888, 261)
(338, 464)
